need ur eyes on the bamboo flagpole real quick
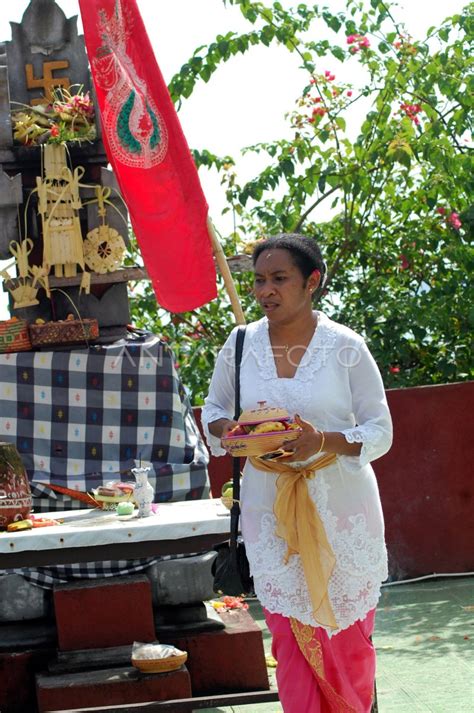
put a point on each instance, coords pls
(226, 274)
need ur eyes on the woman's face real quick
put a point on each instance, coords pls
(279, 286)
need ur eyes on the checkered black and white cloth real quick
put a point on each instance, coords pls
(84, 417)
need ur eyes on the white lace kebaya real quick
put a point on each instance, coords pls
(337, 387)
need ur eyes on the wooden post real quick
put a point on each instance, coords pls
(226, 274)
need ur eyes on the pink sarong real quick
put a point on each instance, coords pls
(318, 674)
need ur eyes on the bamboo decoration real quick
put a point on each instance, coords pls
(226, 274)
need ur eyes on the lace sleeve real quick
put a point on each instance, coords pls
(370, 409)
(219, 402)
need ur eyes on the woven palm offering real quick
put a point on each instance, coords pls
(103, 249)
(261, 431)
(68, 331)
(157, 658)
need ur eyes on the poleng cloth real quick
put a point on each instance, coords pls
(299, 524)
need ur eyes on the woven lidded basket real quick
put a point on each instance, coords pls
(14, 336)
(244, 442)
(69, 331)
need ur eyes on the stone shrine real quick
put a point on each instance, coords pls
(45, 55)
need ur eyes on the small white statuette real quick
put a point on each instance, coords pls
(143, 492)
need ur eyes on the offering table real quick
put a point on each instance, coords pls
(91, 535)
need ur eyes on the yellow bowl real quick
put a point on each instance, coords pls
(160, 665)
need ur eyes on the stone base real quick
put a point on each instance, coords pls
(27, 635)
(109, 687)
(184, 580)
(106, 303)
(98, 613)
(225, 661)
(186, 619)
(21, 600)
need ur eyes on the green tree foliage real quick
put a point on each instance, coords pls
(397, 185)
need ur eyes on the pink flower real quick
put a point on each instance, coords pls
(364, 42)
(349, 92)
(317, 100)
(454, 221)
(351, 39)
(353, 49)
(441, 210)
(411, 110)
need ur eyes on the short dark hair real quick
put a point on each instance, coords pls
(305, 252)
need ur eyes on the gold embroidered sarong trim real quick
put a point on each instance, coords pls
(311, 649)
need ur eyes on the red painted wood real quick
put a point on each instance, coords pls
(95, 614)
(109, 687)
(231, 659)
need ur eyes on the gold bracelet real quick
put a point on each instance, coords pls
(323, 440)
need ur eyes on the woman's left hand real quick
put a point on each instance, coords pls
(306, 445)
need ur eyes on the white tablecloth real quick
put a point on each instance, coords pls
(86, 528)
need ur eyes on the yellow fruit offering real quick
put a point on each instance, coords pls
(268, 427)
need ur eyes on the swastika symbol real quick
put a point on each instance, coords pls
(47, 81)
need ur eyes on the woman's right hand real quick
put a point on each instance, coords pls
(228, 426)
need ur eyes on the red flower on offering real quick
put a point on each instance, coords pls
(394, 369)
(234, 603)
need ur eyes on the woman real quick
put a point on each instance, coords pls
(320, 611)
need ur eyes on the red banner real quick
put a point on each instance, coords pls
(149, 155)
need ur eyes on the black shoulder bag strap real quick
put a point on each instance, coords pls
(235, 510)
